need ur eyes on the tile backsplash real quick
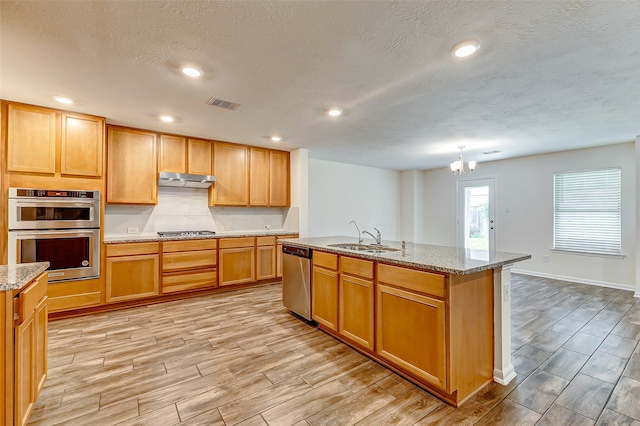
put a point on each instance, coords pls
(186, 209)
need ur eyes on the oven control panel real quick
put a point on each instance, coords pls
(54, 193)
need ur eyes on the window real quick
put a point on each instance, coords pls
(586, 211)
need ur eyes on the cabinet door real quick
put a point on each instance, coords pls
(356, 310)
(132, 170)
(41, 324)
(279, 261)
(231, 168)
(31, 139)
(189, 280)
(25, 371)
(325, 297)
(200, 160)
(82, 145)
(132, 277)
(172, 154)
(410, 333)
(279, 179)
(259, 177)
(236, 265)
(266, 262)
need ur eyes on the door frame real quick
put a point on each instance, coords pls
(489, 181)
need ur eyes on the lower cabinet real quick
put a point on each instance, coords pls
(356, 301)
(411, 333)
(265, 258)
(189, 265)
(29, 349)
(132, 271)
(324, 289)
(236, 263)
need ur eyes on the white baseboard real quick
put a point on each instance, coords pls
(579, 280)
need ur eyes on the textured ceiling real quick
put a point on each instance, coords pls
(549, 76)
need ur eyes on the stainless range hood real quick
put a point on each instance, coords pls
(185, 180)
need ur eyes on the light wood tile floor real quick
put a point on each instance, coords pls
(241, 358)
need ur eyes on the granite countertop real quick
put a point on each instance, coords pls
(14, 277)
(452, 260)
(151, 238)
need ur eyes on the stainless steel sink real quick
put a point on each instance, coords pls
(367, 248)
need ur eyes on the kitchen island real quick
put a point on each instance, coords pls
(439, 316)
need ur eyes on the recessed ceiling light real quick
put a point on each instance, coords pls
(191, 72)
(334, 112)
(63, 100)
(167, 118)
(276, 138)
(465, 48)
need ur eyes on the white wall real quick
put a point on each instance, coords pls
(525, 186)
(339, 193)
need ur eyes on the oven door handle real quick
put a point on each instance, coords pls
(55, 203)
(65, 233)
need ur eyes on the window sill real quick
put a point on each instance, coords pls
(584, 253)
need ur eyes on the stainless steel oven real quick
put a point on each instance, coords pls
(61, 227)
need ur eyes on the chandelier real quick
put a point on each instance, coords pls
(457, 167)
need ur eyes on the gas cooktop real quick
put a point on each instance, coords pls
(185, 233)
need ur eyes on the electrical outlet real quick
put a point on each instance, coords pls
(132, 230)
(267, 227)
(225, 228)
(545, 259)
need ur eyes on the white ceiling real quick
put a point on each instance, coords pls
(549, 76)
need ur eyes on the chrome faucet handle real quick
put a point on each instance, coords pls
(378, 236)
(360, 240)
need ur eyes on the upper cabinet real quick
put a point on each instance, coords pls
(36, 135)
(199, 157)
(81, 145)
(231, 168)
(269, 171)
(172, 154)
(132, 172)
(31, 139)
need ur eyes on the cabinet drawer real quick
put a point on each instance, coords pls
(183, 260)
(187, 281)
(284, 237)
(131, 249)
(189, 245)
(424, 282)
(236, 242)
(359, 267)
(265, 241)
(326, 260)
(31, 296)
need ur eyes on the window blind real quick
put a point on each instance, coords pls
(587, 211)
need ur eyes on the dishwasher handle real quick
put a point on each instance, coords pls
(297, 251)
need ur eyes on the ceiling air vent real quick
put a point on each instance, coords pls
(223, 104)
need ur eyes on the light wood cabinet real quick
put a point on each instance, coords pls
(199, 157)
(411, 333)
(189, 265)
(231, 168)
(355, 315)
(132, 167)
(269, 178)
(265, 258)
(31, 139)
(30, 350)
(324, 289)
(279, 179)
(236, 263)
(81, 145)
(172, 154)
(132, 271)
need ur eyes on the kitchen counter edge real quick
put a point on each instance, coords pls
(445, 259)
(15, 277)
(119, 239)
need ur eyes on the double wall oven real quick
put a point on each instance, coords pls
(61, 227)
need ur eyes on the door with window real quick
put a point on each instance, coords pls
(475, 214)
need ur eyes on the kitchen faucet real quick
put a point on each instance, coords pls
(377, 238)
(360, 240)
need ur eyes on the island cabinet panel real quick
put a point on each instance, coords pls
(410, 279)
(31, 139)
(132, 271)
(411, 333)
(236, 263)
(132, 167)
(231, 168)
(81, 145)
(356, 310)
(324, 298)
(172, 154)
(200, 159)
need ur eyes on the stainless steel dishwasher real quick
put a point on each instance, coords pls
(296, 280)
